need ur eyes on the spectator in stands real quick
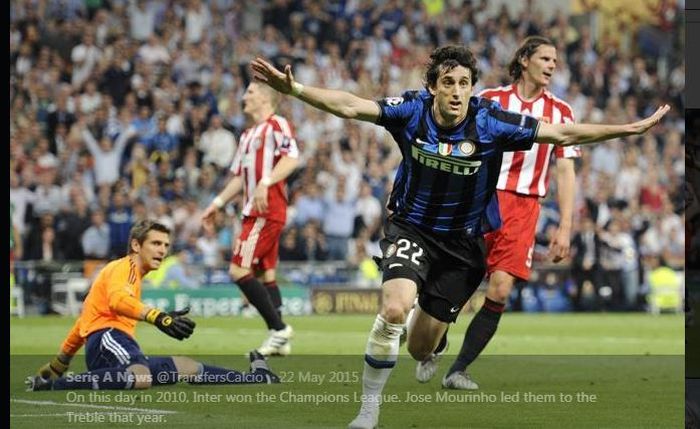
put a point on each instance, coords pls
(189, 170)
(85, 58)
(313, 243)
(162, 143)
(309, 205)
(59, 113)
(369, 210)
(585, 266)
(217, 144)
(290, 247)
(137, 169)
(120, 221)
(142, 19)
(652, 193)
(208, 247)
(629, 179)
(339, 222)
(47, 195)
(20, 198)
(173, 273)
(71, 222)
(16, 250)
(663, 285)
(197, 21)
(42, 248)
(95, 240)
(107, 155)
(91, 99)
(41, 244)
(617, 255)
(154, 52)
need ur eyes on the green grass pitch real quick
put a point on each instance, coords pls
(540, 371)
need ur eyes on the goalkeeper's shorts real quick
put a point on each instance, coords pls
(111, 348)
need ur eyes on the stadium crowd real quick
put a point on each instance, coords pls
(122, 110)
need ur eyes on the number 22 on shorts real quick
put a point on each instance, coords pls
(408, 250)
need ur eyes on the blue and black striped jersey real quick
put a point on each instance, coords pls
(447, 178)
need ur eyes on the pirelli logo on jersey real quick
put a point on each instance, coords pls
(461, 167)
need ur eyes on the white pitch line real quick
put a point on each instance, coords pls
(51, 415)
(103, 407)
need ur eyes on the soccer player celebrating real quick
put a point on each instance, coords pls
(523, 180)
(266, 156)
(452, 146)
(106, 326)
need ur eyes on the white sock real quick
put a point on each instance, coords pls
(382, 351)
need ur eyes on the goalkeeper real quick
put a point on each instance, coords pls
(107, 323)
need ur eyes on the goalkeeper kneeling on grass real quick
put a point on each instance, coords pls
(106, 328)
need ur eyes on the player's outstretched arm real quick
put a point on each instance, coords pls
(572, 134)
(339, 103)
(174, 323)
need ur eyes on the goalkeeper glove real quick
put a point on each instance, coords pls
(53, 369)
(178, 313)
(174, 324)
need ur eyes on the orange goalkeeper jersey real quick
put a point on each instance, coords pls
(114, 301)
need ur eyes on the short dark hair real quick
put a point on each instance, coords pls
(273, 96)
(526, 50)
(141, 229)
(448, 57)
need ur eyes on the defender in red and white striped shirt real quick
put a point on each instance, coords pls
(261, 148)
(523, 180)
(527, 172)
(266, 156)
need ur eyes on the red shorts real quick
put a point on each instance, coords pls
(258, 245)
(510, 247)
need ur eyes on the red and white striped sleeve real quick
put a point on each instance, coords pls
(285, 142)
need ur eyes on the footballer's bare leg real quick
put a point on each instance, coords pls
(382, 348)
(237, 272)
(480, 331)
(427, 343)
(500, 285)
(424, 334)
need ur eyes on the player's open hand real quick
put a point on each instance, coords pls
(642, 126)
(268, 74)
(260, 198)
(560, 245)
(207, 218)
(173, 324)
